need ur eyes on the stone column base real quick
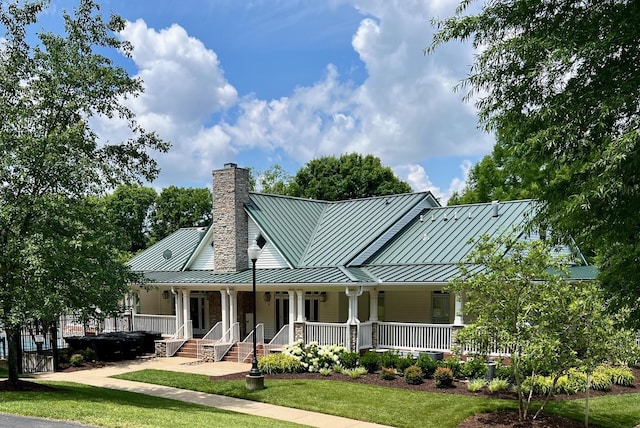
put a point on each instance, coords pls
(254, 383)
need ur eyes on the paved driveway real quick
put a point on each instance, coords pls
(12, 421)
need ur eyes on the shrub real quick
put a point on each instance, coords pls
(403, 362)
(497, 385)
(279, 363)
(325, 372)
(572, 383)
(620, 375)
(370, 360)
(474, 368)
(355, 373)
(388, 373)
(64, 355)
(413, 375)
(88, 354)
(76, 360)
(505, 372)
(427, 364)
(313, 356)
(348, 360)
(389, 358)
(600, 380)
(454, 364)
(476, 385)
(443, 377)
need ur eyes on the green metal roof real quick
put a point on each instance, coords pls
(443, 233)
(289, 223)
(179, 244)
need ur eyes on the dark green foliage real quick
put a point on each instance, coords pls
(443, 377)
(350, 176)
(76, 360)
(88, 354)
(453, 364)
(178, 207)
(403, 362)
(388, 373)
(504, 371)
(129, 208)
(561, 90)
(427, 364)
(474, 368)
(370, 360)
(348, 360)
(389, 358)
(413, 375)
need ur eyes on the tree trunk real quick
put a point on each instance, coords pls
(13, 356)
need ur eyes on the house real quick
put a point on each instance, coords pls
(365, 273)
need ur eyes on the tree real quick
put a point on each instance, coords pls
(275, 181)
(129, 208)
(350, 176)
(178, 207)
(490, 179)
(521, 300)
(558, 81)
(58, 252)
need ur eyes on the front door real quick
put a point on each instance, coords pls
(197, 315)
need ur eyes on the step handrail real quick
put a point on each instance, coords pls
(234, 334)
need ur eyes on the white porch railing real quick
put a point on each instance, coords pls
(229, 338)
(416, 337)
(164, 324)
(327, 333)
(365, 335)
(179, 338)
(213, 336)
(245, 348)
(279, 341)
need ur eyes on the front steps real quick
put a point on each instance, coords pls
(190, 350)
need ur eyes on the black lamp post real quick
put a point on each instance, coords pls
(255, 379)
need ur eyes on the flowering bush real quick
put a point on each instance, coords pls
(314, 357)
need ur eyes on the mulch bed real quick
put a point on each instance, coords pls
(500, 419)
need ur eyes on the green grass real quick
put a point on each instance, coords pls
(388, 406)
(112, 408)
(391, 406)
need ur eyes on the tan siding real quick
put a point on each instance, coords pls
(151, 302)
(329, 310)
(408, 306)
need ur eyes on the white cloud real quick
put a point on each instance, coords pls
(404, 112)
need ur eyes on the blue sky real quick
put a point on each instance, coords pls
(263, 82)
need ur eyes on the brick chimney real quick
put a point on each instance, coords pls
(230, 221)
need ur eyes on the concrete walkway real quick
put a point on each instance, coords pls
(101, 378)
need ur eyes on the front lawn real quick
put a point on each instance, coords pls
(112, 408)
(390, 406)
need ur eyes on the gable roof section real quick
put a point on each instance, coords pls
(348, 227)
(289, 223)
(444, 233)
(181, 243)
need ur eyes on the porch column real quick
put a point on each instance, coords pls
(373, 305)
(458, 320)
(224, 304)
(300, 317)
(353, 304)
(233, 311)
(178, 297)
(188, 333)
(292, 315)
(206, 322)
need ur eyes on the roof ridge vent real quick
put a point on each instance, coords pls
(495, 205)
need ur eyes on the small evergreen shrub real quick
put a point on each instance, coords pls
(348, 360)
(403, 362)
(443, 377)
(474, 368)
(370, 360)
(497, 385)
(413, 375)
(64, 355)
(279, 363)
(389, 358)
(476, 385)
(427, 364)
(388, 373)
(76, 360)
(453, 364)
(505, 372)
(88, 354)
